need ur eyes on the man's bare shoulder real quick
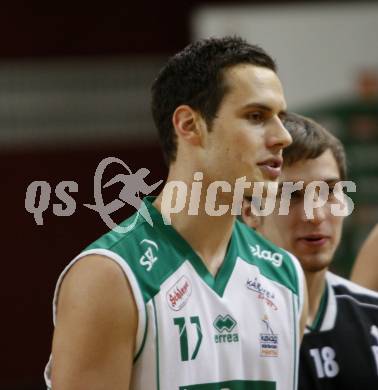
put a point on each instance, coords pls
(93, 269)
(95, 281)
(95, 327)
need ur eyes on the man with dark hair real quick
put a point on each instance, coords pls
(342, 325)
(195, 77)
(189, 304)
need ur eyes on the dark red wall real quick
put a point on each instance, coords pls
(33, 256)
(84, 28)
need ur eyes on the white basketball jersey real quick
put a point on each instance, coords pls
(237, 330)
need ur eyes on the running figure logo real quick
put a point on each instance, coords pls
(133, 186)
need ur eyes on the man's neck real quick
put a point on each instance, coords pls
(316, 283)
(208, 235)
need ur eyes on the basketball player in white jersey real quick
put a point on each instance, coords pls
(191, 304)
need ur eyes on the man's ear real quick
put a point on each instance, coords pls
(249, 217)
(188, 124)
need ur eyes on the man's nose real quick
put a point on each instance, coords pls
(315, 216)
(278, 135)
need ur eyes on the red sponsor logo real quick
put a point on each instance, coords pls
(178, 295)
(262, 293)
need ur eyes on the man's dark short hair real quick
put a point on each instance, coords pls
(195, 76)
(310, 140)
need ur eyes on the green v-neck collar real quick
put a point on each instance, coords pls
(317, 323)
(218, 282)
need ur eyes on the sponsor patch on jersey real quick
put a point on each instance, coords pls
(268, 340)
(262, 292)
(178, 295)
(225, 326)
(149, 257)
(274, 257)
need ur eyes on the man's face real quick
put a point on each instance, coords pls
(247, 136)
(312, 241)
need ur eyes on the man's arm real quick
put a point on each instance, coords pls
(96, 326)
(365, 270)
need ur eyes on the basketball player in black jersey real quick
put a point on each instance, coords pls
(340, 346)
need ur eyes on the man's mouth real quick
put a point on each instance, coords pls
(314, 239)
(271, 167)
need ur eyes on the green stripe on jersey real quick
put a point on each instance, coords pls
(274, 262)
(155, 252)
(233, 385)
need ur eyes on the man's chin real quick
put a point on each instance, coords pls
(313, 264)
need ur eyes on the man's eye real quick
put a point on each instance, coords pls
(256, 116)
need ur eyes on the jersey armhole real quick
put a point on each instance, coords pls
(136, 291)
(300, 281)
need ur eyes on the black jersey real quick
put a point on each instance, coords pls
(340, 350)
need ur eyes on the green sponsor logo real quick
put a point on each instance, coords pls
(233, 385)
(224, 325)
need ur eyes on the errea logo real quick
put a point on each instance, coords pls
(274, 257)
(222, 323)
(225, 325)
